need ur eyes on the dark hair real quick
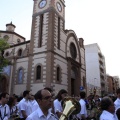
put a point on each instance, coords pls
(105, 103)
(82, 94)
(49, 89)
(38, 95)
(26, 92)
(58, 96)
(11, 101)
(118, 91)
(3, 95)
(19, 98)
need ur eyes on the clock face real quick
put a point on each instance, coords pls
(42, 3)
(59, 7)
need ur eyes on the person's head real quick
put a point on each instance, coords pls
(77, 97)
(118, 92)
(82, 95)
(50, 90)
(61, 94)
(107, 104)
(16, 98)
(44, 99)
(12, 101)
(4, 97)
(27, 94)
(32, 97)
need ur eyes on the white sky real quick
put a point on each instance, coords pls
(96, 21)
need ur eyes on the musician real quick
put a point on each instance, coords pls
(44, 99)
(24, 105)
(57, 102)
(83, 112)
(4, 108)
(12, 107)
(117, 101)
(108, 108)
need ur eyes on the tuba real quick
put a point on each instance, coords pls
(70, 107)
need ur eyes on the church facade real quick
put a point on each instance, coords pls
(53, 57)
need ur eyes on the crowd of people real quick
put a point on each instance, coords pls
(44, 105)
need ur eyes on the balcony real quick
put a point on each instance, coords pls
(102, 75)
(100, 54)
(101, 68)
(101, 61)
(103, 82)
(103, 89)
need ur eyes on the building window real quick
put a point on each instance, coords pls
(20, 53)
(20, 76)
(73, 51)
(6, 37)
(18, 40)
(84, 82)
(40, 30)
(7, 54)
(58, 32)
(58, 73)
(38, 72)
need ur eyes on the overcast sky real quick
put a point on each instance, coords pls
(96, 21)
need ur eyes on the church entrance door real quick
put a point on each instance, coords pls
(3, 85)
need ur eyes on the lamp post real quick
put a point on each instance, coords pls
(94, 87)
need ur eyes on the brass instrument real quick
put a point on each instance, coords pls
(70, 106)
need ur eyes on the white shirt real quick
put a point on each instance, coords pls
(57, 106)
(83, 110)
(117, 104)
(13, 110)
(34, 105)
(108, 116)
(38, 115)
(5, 112)
(24, 105)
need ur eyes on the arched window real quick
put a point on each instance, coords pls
(18, 40)
(6, 37)
(73, 51)
(7, 54)
(58, 73)
(20, 75)
(20, 53)
(38, 72)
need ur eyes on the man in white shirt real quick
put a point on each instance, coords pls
(83, 112)
(44, 99)
(33, 103)
(24, 105)
(117, 101)
(57, 102)
(108, 108)
(4, 108)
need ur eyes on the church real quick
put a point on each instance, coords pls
(53, 57)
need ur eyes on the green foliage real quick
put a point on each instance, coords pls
(3, 45)
(3, 61)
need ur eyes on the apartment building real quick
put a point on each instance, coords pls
(113, 84)
(95, 70)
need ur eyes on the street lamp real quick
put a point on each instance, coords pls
(94, 87)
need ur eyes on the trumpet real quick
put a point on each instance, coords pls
(70, 107)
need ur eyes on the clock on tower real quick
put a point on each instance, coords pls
(42, 3)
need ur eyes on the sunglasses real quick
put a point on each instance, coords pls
(47, 97)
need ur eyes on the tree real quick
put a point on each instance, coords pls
(3, 61)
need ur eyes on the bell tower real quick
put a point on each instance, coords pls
(47, 24)
(47, 16)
